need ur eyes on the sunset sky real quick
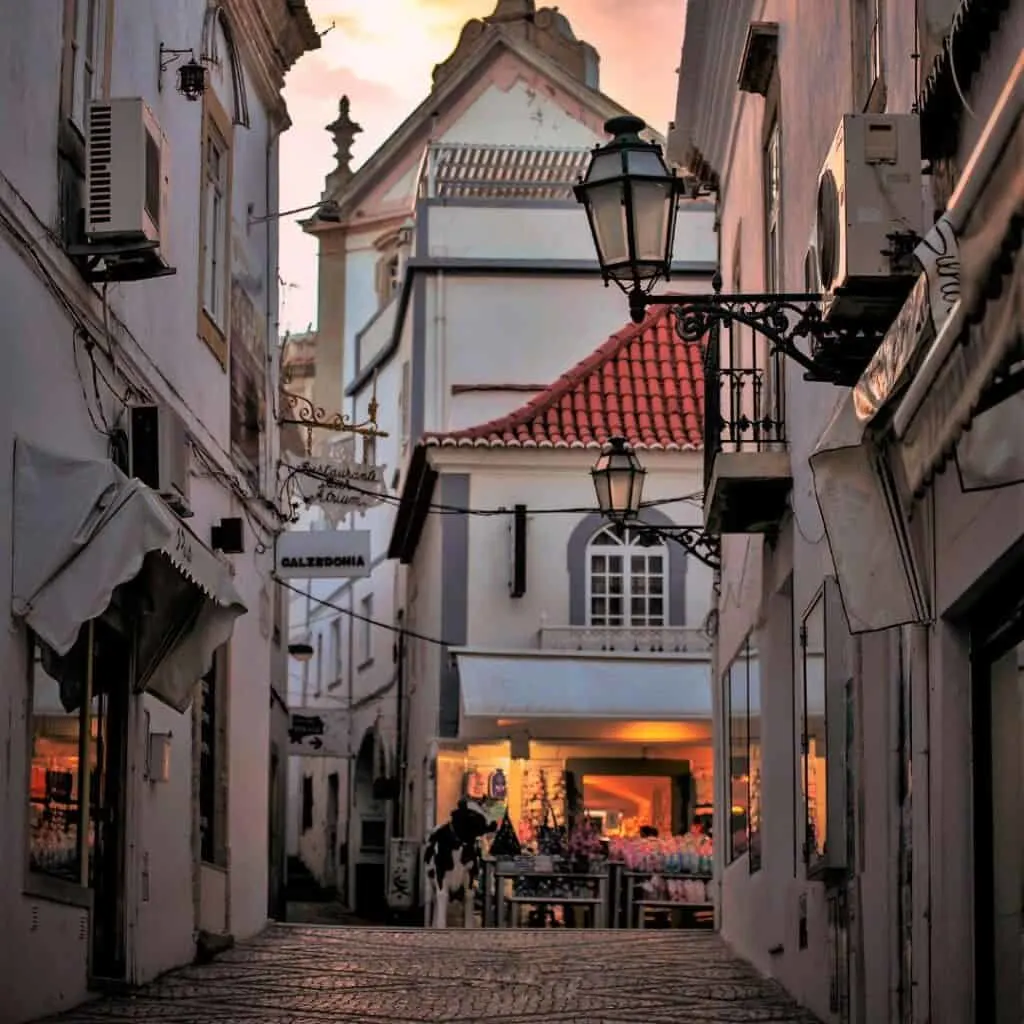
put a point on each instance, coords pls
(381, 54)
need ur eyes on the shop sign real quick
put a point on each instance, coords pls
(403, 860)
(340, 484)
(323, 554)
(318, 732)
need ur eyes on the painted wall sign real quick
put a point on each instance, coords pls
(323, 554)
(318, 732)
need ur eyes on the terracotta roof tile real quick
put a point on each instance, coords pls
(644, 383)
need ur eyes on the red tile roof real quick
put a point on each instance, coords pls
(644, 383)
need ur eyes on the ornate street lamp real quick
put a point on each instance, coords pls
(618, 477)
(619, 481)
(631, 199)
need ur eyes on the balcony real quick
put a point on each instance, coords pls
(747, 474)
(626, 639)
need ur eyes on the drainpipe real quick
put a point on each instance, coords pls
(398, 817)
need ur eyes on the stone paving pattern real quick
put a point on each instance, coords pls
(313, 975)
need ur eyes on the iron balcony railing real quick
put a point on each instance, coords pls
(744, 395)
(627, 639)
(463, 170)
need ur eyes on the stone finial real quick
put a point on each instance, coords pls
(343, 130)
(513, 10)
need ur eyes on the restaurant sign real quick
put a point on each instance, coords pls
(338, 483)
(323, 554)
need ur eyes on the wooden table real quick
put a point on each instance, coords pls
(501, 875)
(634, 879)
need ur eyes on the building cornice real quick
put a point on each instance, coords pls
(271, 36)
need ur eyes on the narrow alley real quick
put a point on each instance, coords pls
(300, 974)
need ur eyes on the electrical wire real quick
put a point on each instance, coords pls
(442, 509)
(323, 602)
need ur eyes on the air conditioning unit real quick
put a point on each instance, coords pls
(127, 173)
(870, 207)
(158, 453)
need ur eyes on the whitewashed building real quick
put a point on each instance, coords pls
(458, 277)
(135, 803)
(870, 609)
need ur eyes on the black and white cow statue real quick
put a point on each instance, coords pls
(452, 859)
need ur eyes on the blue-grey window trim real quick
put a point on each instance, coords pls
(576, 563)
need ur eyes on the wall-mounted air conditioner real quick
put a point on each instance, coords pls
(869, 212)
(127, 173)
(159, 453)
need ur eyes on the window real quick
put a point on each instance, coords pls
(319, 665)
(626, 580)
(742, 692)
(215, 227)
(389, 269)
(213, 735)
(336, 670)
(307, 802)
(366, 630)
(77, 736)
(86, 44)
(868, 62)
(771, 409)
(826, 742)
(736, 721)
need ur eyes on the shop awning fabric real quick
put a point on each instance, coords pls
(81, 530)
(571, 685)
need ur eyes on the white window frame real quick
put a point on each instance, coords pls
(628, 548)
(319, 665)
(335, 653)
(87, 47)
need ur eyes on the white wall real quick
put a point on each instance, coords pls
(47, 399)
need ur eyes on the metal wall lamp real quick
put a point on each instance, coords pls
(191, 77)
(631, 199)
(618, 477)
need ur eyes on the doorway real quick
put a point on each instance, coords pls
(997, 670)
(111, 672)
(624, 794)
(331, 865)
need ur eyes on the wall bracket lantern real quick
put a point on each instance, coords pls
(631, 199)
(191, 76)
(618, 479)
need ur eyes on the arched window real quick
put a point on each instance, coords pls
(626, 580)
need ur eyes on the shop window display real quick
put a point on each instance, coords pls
(814, 739)
(754, 690)
(737, 722)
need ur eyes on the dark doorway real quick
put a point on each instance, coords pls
(997, 678)
(107, 800)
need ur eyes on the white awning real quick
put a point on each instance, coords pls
(81, 530)
(565, 687)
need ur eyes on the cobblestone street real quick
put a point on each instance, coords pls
(312, 975)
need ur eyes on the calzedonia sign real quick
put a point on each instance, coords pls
(323, 554)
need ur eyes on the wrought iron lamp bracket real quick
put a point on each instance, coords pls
(313, 417)
(692, 539)
(835, 354)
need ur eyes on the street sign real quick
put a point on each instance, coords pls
(323, 554)
(318, 732)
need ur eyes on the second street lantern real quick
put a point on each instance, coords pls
(630, 197)
(618, 480)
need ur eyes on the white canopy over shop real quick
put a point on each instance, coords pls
(82, 529)
(563, 694)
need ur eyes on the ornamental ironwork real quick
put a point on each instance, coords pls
(310, 417)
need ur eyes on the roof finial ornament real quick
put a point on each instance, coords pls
(343, 130)
(513, 10)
